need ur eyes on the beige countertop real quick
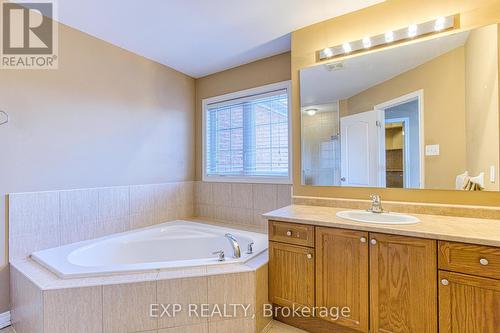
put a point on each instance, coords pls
(458, 229)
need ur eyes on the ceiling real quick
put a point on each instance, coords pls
(320, 85)
(201, 37)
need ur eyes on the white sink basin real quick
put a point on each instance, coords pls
(382, 218)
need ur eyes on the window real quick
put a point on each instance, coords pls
(246, 135)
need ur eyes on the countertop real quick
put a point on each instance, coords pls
(457, 229)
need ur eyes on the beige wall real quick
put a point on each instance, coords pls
(444, 117)
(481, 103)
(258, 73)
(388, 15)
(105, 117)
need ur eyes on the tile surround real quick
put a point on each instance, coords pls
(41, 220)
(240, 203)
(117, 304)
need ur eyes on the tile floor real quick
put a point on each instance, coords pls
(276, 327)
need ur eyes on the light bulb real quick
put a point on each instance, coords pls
(412, 30)
(328, 52)
(439, 25)
(367, 42)
(347, 47)
(389, 37)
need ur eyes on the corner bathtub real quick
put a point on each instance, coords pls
(168, 245)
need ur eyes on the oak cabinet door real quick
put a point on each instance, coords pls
(342, 274)
(403, 284)
(291, 275)
(468, 304)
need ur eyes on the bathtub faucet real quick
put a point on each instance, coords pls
(235, 245)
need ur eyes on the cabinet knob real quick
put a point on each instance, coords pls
(289, 233)
(445, 282)
(483, 261)
(309, 256)
(362, 239)
(373, 241)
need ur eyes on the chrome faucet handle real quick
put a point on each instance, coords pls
(250, 248)
(376, 204)
(221, 255)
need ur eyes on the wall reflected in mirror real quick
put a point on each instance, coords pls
(420, 115)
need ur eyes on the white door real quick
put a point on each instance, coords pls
(362, 149)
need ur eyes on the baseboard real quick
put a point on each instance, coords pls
(4, 319)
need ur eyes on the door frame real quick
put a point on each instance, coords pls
(419, 96)
(406, 157)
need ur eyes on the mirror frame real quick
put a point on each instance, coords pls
(373, 20)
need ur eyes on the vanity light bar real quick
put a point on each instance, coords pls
(413, 31)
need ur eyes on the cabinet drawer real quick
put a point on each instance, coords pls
(472, 259)
(291, 233)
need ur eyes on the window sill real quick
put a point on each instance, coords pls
(250, 180)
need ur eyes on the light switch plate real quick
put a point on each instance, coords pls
(432, 150)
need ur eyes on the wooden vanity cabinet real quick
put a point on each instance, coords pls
(342, 274)
(469, 288)
(468, 304)
(403, 284)
(291, 267)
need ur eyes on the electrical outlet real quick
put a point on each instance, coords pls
(432, 150)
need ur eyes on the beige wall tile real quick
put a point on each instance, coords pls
(166, 196)
(241, 196)
(79, 203)
(262, 286)
(231, 326)
(142, 198)
(114, 202)
(144, 219)
(284, 196)
(204, 210)
(221, 193)
(20, 246)
(77, 310)
(239, 215)
(264, 197)
(222, 213)
(79, 229)
(258, 220)
(238, 288)
(126, 307)
(113, 225)
(26, 304)
(182, 291)
(78, 215)
(187, 193)
(203, 193)
(30, 213)
(200, 328)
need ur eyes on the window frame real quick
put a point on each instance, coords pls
(284, 85)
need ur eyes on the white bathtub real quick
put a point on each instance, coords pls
(168, 245)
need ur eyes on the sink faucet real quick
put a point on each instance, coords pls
(376, 204)
(235, 245)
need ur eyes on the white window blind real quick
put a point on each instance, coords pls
(248, 136)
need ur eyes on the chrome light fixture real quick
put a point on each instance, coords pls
(438, 25)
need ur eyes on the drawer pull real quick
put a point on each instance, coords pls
(309, 256)
(445, 282)
(373, 241)
(289, 233)
(483, 261)
(362, 239)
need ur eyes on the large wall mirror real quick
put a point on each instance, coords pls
(420, 115)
